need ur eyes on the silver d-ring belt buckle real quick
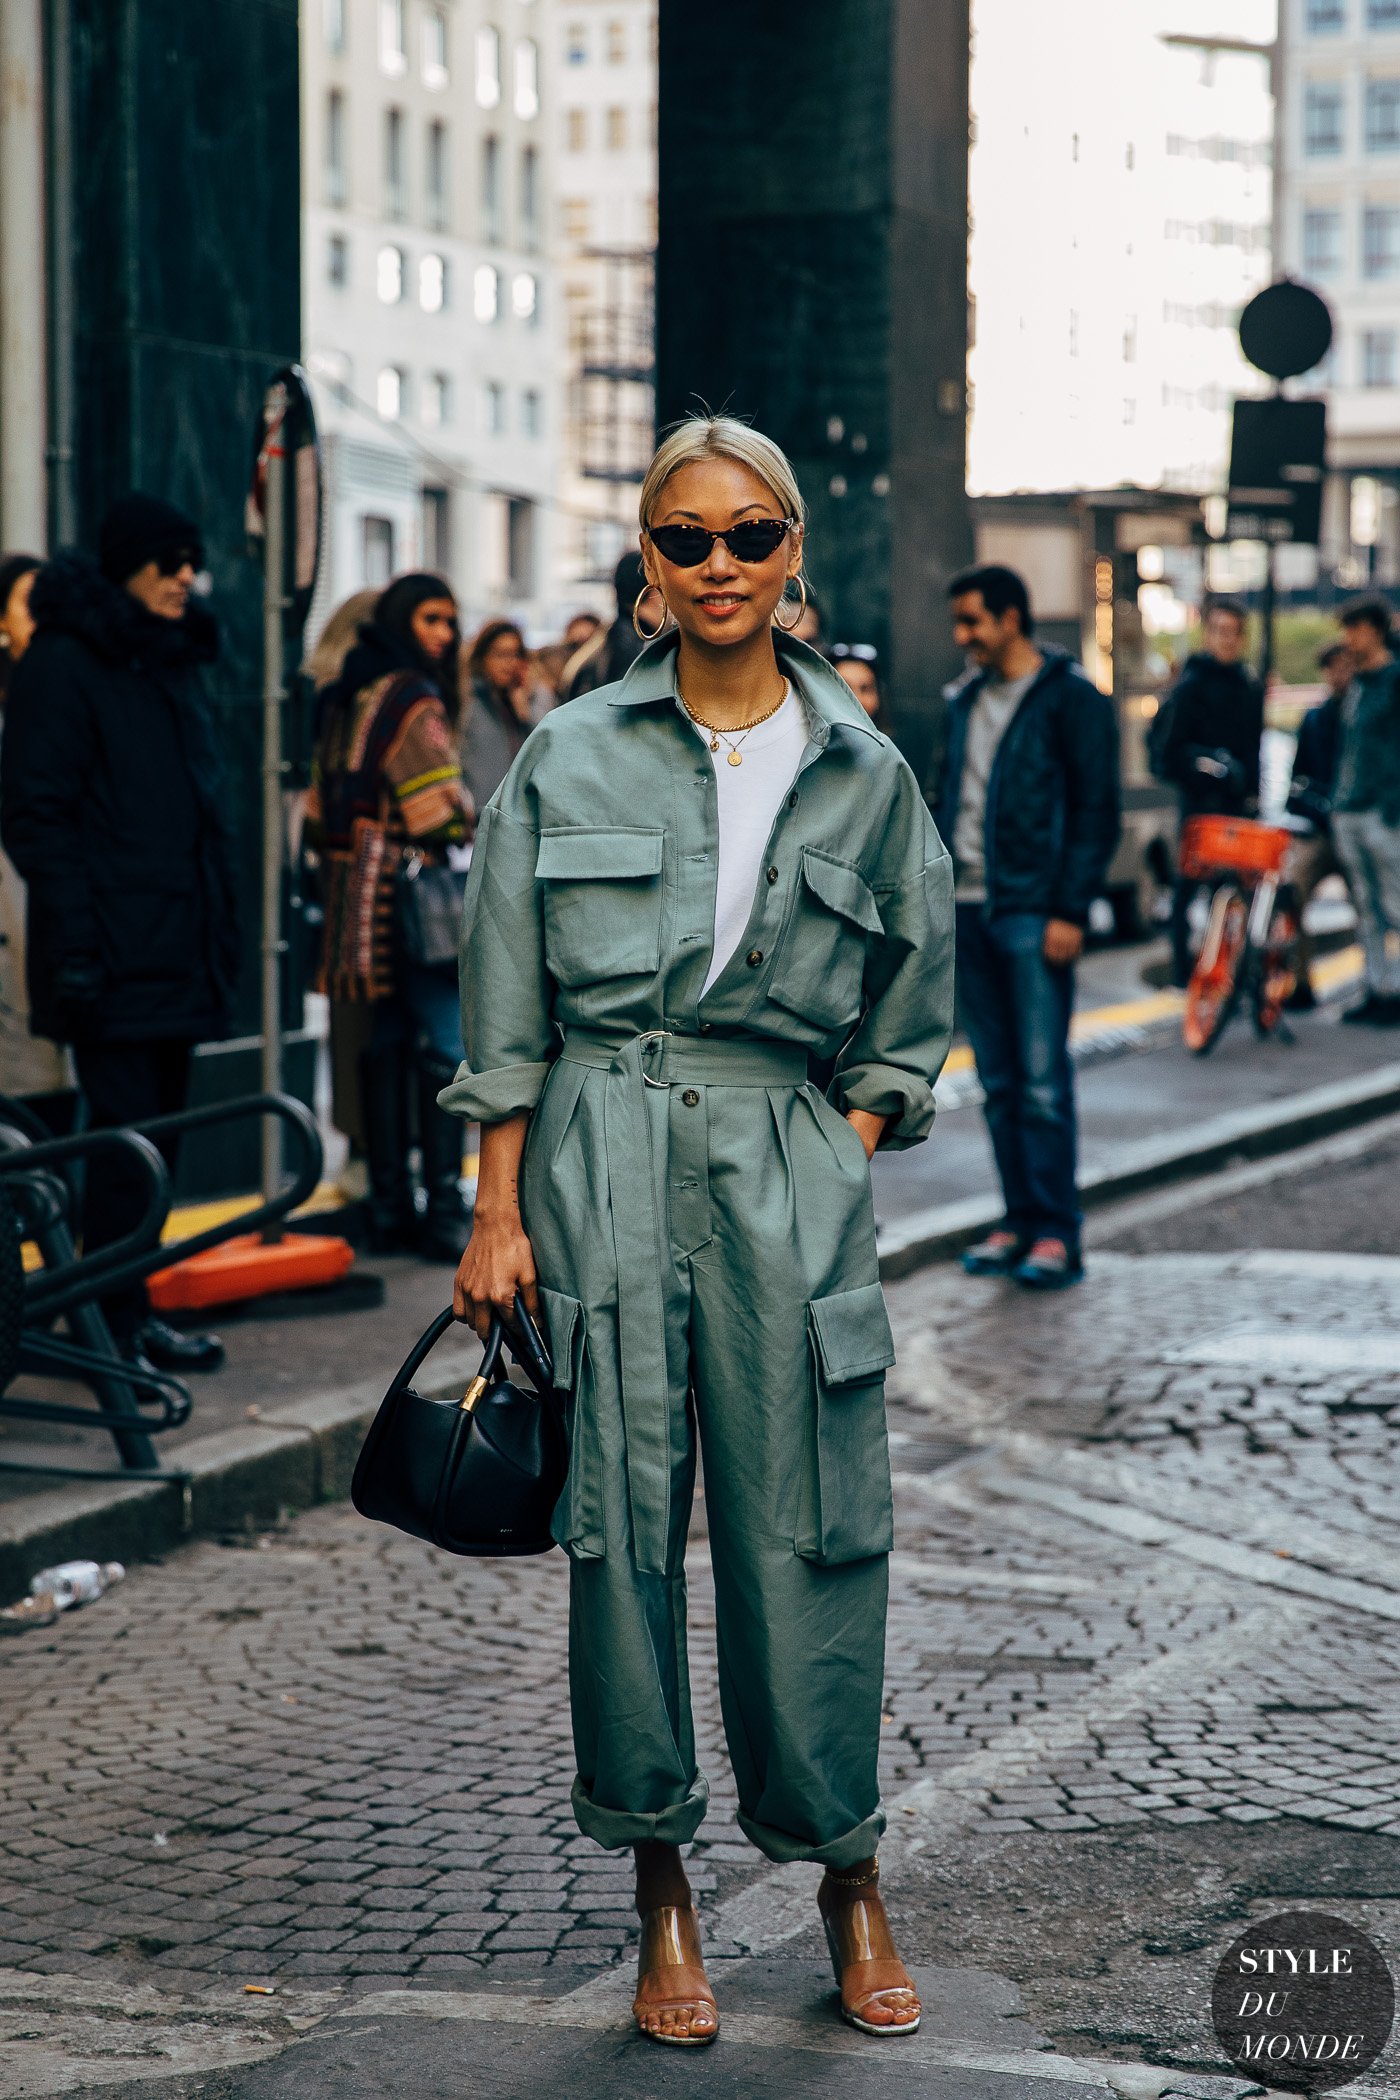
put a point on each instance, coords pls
(653, 1035)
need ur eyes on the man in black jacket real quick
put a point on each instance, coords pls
(1314, 854)
(113, 809)
(1210, 748)
(1028, 805)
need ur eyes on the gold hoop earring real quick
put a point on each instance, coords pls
(642, 633)
(788, 625)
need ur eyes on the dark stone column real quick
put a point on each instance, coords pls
(812, 276)
(175, 250)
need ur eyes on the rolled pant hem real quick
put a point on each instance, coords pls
(615, 1828)
(839, 1852)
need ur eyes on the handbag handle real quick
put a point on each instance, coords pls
(528, 1349)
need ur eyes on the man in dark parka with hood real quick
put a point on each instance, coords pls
(112, 806)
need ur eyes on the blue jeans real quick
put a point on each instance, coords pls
(424, 1009)
(1016, 1009)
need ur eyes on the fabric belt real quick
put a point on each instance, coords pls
(639, 1202)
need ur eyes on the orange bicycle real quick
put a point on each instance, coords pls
(1251, 938)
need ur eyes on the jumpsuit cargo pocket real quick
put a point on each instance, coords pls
(602, 902)
(851, 1514)
(820, 964)
(578, 1514)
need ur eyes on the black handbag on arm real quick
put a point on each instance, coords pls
(477, 1475)
(428, 899)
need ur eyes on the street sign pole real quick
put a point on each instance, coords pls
(274, 674)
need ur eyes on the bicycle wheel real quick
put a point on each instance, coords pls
(1215, 987)
(1277, 972)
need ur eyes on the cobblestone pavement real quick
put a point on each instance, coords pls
(1146, 1582)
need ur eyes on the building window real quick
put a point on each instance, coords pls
(432, 284)
(1378, 357)
(576, 130)
(338, 260)
(337, 188)
(395, 185)
(1383, 14)
(1325, 17)
(486, 292)
(576, 44)
(576, 218)
(1322, 242)
(436, 173)
(388, 275)
(333, 22)
(617, 130)
(488, 68)
(389, 393)
(1322, 118)
(520, 547)
(493, 408)
(1380, 240)
(532, 412)
(437, 540)
(1383, 116)
(435, 48)
(527, 78)
(530, 195)
(377, 550)
(491, 189)
(437, 400)
(617, 43)
(393, 51)
(524, 296)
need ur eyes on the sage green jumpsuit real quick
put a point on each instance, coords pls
(700, 1213)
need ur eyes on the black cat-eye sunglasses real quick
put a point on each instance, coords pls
(687, 546)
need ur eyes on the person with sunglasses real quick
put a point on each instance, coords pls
(706, 971)
(114, 810)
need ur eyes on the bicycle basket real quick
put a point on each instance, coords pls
(1234, 845)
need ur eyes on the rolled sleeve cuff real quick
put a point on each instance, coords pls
(489, 1097)
(905, 1101)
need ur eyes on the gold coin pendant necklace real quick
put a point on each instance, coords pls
(733, 740)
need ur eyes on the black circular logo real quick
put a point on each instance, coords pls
(1303, 2002)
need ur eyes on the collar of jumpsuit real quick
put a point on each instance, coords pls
(653, 677)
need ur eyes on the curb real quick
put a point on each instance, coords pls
(933, 1235)
(302, 1453)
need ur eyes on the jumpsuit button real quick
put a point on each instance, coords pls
(704, 1027)
(772, 874)
(691, 1098)
(754, 958)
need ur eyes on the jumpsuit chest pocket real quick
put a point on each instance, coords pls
(819, 968)
(850, 1514)
(602, 902)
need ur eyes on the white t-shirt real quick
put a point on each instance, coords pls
(749, 798)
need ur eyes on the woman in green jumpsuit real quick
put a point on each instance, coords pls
(679, 1105)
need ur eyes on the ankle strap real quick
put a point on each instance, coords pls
(853, 1881)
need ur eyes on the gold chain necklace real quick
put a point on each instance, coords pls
(733, 738)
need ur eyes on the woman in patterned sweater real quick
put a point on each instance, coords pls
(386, 781)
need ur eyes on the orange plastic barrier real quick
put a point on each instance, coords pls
(249, 1268)
(1234, 845)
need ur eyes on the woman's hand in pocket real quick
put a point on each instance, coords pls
(869, 1129)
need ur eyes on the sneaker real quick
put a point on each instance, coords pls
(997, 1255)
(1375, 1011)
(1050, 1266)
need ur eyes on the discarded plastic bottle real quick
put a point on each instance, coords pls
(76, 1581)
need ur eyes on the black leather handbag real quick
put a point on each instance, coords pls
(479, 1475)
(428, 912)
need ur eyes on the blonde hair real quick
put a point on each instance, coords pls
(722, 437)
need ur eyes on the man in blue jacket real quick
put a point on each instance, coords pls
(1028, 805)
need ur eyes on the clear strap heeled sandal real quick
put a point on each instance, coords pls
(876, 1994)
(688, 2017)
